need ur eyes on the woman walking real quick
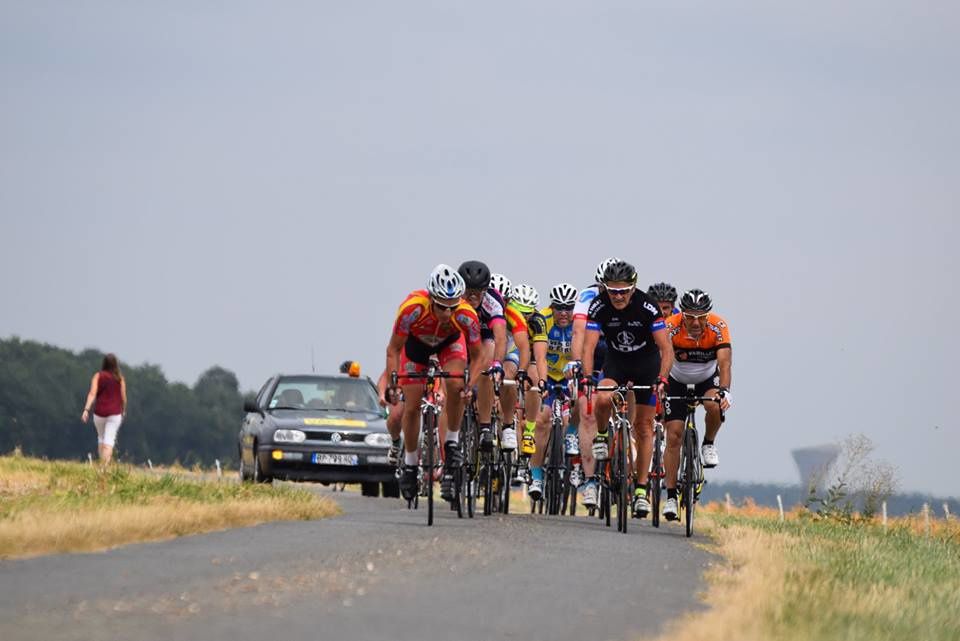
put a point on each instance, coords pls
(108, 400)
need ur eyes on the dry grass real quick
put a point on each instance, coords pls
(809, 579)
(48, 507)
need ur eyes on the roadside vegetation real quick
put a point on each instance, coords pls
(58, 506)
(811, 577)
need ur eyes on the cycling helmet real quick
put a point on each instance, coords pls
(663, 292)
(501, 283)
(602, 267)
(695, 300)
(525, 296)
(563, 294)
(476, 275)
(445, 282)
(620, 272)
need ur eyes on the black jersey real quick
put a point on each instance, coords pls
(629, 332)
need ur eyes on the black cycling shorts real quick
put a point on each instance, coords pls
(677, 410)
(639, 373)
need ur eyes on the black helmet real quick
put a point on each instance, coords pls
(695, 300)
(475, 274)
(663, 292)
(620, 272)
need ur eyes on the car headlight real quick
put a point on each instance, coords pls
(378, 440)
(289, 436)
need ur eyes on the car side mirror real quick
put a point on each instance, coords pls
(250, 406)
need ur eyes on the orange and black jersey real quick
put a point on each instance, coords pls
(695, 360)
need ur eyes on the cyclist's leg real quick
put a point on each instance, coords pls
(643, 431)
(509, 393)
(485, 389)
(603, 404)
(712, 421)
(531, 407)
(453, 359)
(588, 431)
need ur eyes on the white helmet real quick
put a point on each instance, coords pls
(501, 283)
(563, 294)
(602, 267)
(445, 282)
(525, 295)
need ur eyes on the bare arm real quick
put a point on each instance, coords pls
(522, 341)
(540, 355)
(666, 351)
(576, 341)
(123, 396)
(478, 363)
(590, 341)
(499, 341)
(724, 364)
(91, 397)
(393, 353)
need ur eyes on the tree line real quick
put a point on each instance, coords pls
(43, 387)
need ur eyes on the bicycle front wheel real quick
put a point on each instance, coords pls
(429, 427)
(690, 477)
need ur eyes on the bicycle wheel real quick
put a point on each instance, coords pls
(656, 472)
(468, 435)
(623, 476)
(429, 427)
(605, 502)
(506, 470)
(690, 480)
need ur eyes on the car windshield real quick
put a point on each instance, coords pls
(319, 393)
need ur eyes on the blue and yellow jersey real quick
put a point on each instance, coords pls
(543, 329)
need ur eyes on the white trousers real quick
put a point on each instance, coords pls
(107, 427)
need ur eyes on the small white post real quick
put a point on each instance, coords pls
(219, 469)
(89, 458)
(926, 518)
(780, 507)
(729, 503)
(946, 511)
(150, 464)
(884, 508)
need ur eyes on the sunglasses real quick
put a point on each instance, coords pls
(444, 308)
(619, 291)
(563, 308)
(696, 317)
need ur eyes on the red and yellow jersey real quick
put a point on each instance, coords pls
(516, 323)
(696, 358)
(415, 319)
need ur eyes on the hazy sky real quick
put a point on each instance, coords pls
(234, 183)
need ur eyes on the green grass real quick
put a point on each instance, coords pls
(857, 581)
(57, 506)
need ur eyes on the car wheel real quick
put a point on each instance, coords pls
(391, 489)
(258, 475)
(370, 489)
(244, 473)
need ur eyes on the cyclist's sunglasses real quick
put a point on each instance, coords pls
(444, 308)
(619, 291)
(697, 317)
(563, 308)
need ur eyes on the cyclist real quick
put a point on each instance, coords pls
(518, 365)
(552, 335)
(701, 341)
(638, 352)
(515, 365)
(489, 306)
(587, 421)
(665, 296)
(431, 321)
(502, 284)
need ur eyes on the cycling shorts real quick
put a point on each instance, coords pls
(643, 373)
(415, 356)
(677, 410)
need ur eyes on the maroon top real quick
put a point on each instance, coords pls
(109, 399)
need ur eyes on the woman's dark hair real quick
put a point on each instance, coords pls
(110, 364)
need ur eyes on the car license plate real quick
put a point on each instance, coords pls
(335, 459)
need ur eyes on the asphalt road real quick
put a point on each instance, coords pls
(376, 572)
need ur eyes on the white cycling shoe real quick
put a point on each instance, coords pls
(588, 496)
(508, 439)
(708, 454)
(536, 489)
(670, 510)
